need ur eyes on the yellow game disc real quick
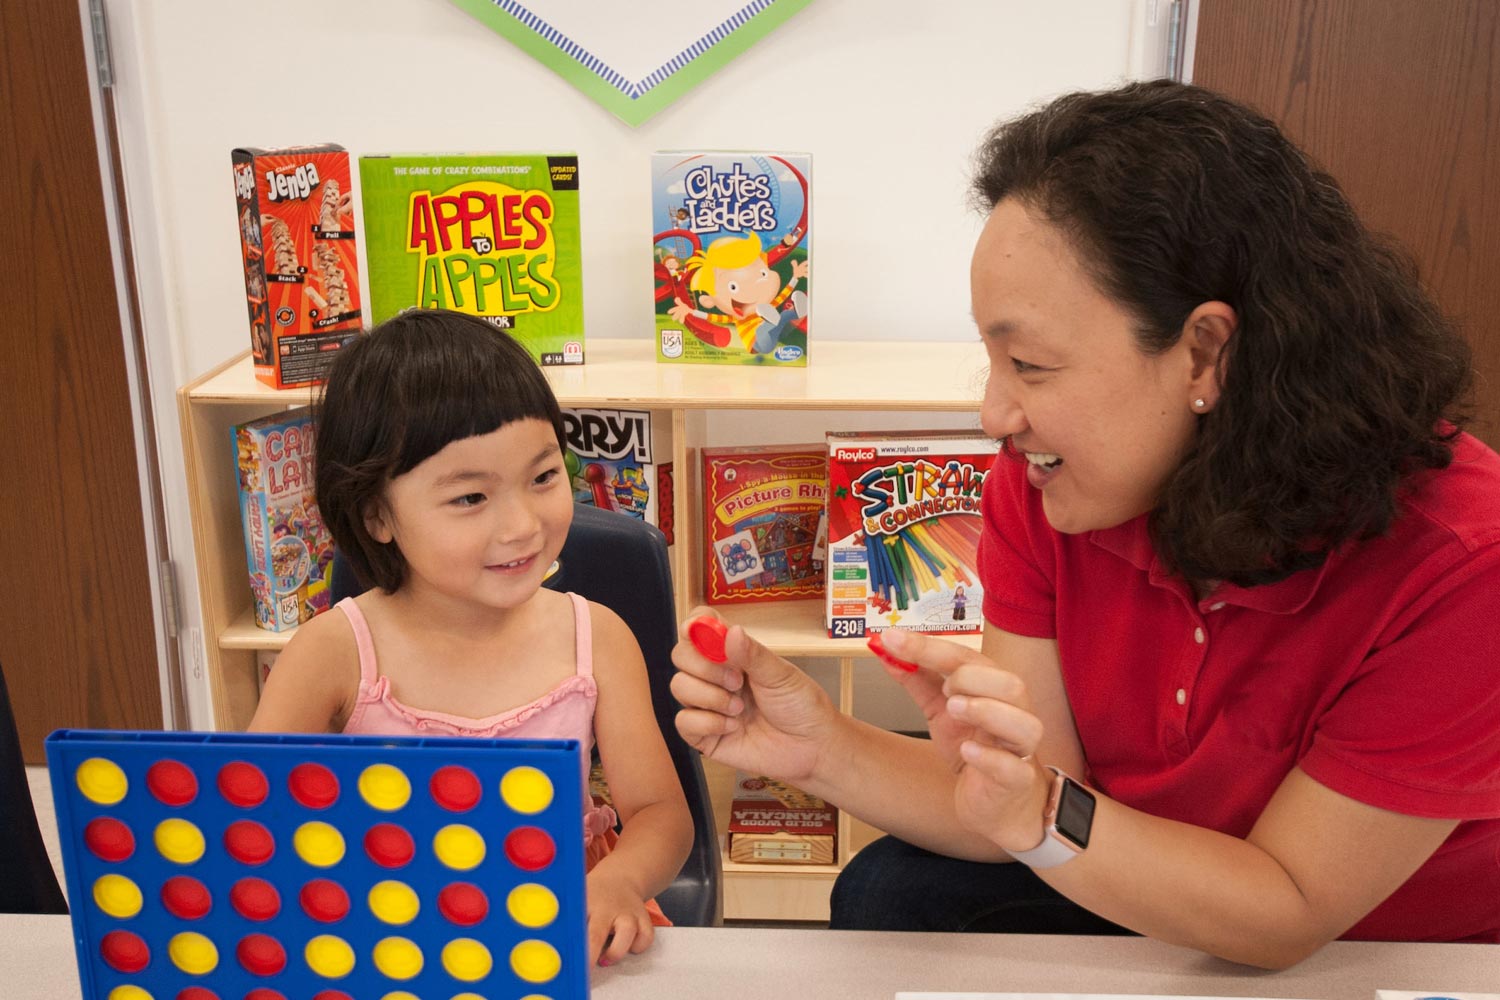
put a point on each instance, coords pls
(467, 960)
(384, 787)
(532, 905)
(394, 902)
(459, 847)
(469, 996)
(399, 995)
(180, 841)
(329, 956)
(535, 961)
(117, 896)
(397, 958)
(526, 790)
(319, 844)
(193, 953)
(101, 781)
(129, 993)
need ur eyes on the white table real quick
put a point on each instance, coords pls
(37, 963)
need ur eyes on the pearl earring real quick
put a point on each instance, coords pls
(1199, 404)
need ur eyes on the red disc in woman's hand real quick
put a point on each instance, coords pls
(877, 646)
(707, 634)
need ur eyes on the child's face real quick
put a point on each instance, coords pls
(738, 289)
(483, 519)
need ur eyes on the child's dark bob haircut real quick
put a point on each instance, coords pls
(397, 396)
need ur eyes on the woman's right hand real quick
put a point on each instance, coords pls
(755, 712)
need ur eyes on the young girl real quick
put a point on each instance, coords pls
(440, 475)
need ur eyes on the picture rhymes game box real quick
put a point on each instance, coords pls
(494, 236)
(616, 460)
(903, 531)
(288, 551)
(296, 222)
(763, 523)
(730, 257)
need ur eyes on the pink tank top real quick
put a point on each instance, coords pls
(566, 712)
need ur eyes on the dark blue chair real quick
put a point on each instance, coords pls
(27, 882)
(621, 562)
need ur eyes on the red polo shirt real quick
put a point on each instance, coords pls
(1378, 674)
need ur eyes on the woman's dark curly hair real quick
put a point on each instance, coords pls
(1342, 378)
(400, 394)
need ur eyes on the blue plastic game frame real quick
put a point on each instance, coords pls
(347, 757)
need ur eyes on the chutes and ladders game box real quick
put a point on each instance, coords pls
(764, 532)
(492, 235)
(296, 221)
(771, 822)
(620, 460)
(903, 531)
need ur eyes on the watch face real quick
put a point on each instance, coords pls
(1075, 813)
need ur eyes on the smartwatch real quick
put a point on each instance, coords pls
(1068, 819)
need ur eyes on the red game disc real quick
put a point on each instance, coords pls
(109, 839)
(186, 898)
(463, 904)
(261, 954)
(124, 951)
(248, 842)
(331, 995)
(172, 782)
(877, 646)
(197, 993)
(455, 788)
(313, 785)
(389, 846)
(708, 635)
(243, 784)
(261, 993)
(324, 900)
(255, 899)
(530, 848)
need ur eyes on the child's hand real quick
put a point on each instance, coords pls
(617, 918)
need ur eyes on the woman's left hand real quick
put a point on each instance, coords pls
(980, 717)
(618, 922)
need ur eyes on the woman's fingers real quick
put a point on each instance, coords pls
(1005, 768)
(1007, 725)
(702, 729)
(695, 692)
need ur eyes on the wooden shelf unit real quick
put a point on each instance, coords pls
(845, 375)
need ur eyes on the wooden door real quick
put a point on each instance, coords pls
(1400, 101)
(77, 635)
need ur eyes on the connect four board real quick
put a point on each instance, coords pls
(247, 867)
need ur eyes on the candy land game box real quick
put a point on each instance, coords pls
(296, 225)
(903, 531)
(617, 460)
(288, 550)
(495, 236)
(731, 257)
(763, 523)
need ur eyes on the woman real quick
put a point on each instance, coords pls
(1241, 574)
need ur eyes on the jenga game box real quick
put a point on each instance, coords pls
(730, 257)
(301, 268)
(764, 523)
(903, 531)
(773, 823)
(615, 461)
(288, 550)
(494, 236)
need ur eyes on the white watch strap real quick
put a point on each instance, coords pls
(1051, 852)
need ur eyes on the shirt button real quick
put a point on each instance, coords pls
(1198, 636)
(1216, 605)
(1182, 696)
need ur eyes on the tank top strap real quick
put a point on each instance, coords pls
(362, 641)
(583, 635)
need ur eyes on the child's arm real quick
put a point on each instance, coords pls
(656, 831)
(311, 688)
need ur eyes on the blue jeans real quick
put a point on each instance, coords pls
(893, 886)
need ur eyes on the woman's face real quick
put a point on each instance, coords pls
(1102, 425)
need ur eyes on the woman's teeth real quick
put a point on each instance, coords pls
(1043, 459)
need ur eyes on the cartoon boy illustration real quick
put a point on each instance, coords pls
(734, 278)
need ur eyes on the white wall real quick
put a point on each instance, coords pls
(889, 97)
